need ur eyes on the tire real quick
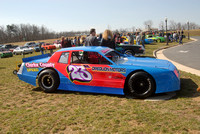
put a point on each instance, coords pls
(140, 85)
(129, 52)
(15, 72)
(48, 81)
(158, 40)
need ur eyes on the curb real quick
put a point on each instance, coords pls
(179, 66)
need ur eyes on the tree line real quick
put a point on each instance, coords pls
(27, 32)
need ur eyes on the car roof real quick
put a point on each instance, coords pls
(90, 48)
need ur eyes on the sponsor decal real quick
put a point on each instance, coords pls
(37, 65)
(32, 69)
(109, 69)
(105, 50)
(79, 73)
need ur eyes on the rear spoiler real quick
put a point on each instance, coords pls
(36, 57)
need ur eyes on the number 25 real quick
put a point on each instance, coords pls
(79, 73)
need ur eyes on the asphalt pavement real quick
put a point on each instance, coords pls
(188, 55)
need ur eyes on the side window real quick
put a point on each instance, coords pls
(64, 58)
(76, 57)
(88, 58)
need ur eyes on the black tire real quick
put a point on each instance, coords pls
(48, 81)
(158, 40)
(15, 72)
(129, 52)
(140, 85)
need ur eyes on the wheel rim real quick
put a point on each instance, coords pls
(128, 53)
(47, 81)
(141, 85)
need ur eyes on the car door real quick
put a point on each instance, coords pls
(94, 70)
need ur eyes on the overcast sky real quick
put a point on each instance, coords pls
(67, 15)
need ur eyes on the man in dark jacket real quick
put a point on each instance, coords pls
(92, 39)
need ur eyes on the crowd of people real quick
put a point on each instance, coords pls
(110, 39)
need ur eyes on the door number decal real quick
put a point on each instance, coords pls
(79, 73)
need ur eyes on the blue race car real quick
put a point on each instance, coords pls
(148, 41)
(100, 70)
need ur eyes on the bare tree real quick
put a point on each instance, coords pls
(148, 24)
(161, 25)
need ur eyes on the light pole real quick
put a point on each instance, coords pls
(166, 30)
(188, 23)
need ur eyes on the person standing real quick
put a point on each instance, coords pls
(92, 39)
(108, 39)
(117, 39)
(130, 39)
(143, 39)
(75, 41)
(174, 36)
(41, 48)
(62, 42)
(180, 37)
(68, 43)
(138, 39)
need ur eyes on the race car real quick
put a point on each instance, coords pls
(48, 46)
(99, 70)
(155, 38)
(146, 41)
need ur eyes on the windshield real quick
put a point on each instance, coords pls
(114, 56)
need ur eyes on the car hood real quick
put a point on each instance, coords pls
(146, 62)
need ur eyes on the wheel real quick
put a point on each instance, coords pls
(140, 85)
(129, 52)
(15, 72)
(48, 81)
(158, 40)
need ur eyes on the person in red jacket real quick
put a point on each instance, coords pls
(62, 42)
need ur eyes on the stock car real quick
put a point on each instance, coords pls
(48, 46)
(99, 70)
(146, 41)
(155, 38)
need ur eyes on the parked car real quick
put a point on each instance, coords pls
(36, 47)
(29, 44)
(155, 38)
(9, 47)
(146, 41)
(130, 49)
(48, 46)
(23, 50)
(57, 43)
(5, 53)
(100, 70)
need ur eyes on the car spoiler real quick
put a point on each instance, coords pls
(36, 57)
